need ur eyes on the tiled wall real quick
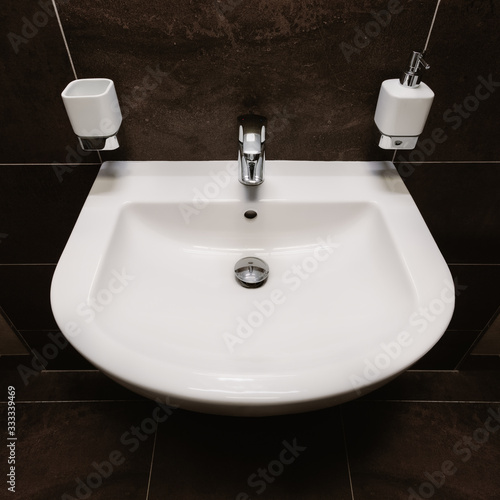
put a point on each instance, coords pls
(184, 71)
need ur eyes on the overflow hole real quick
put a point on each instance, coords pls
(250, 214)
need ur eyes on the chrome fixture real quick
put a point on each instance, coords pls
(251, 272)
(251, 156)
(99, 143)
(411, 77)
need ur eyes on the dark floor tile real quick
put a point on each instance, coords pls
(38, 209)
(473, 385)
(25, 296)
(54, 352)
(82, 450)
(215, 458)
(477, 296)
(34, 385)
(36, 68)
(448, 352)
(460, 205)
(397, 450)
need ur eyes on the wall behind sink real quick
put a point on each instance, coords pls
(184, 70)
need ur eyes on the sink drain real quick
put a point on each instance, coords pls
(251, 272)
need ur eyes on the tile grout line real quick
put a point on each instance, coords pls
(434, 370)
(452, 162)
(459, 330)
(31, 264)
(61, 371)
(346, 453)
(471, 264)
(152, 461)
(18, 401)
(426, 401)
(43, 164)
(64, 39)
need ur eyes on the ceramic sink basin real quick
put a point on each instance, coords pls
(357, 288)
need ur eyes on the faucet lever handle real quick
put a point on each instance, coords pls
(252, 136)
(252, 124)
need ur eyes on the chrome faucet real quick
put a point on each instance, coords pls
(251, 156)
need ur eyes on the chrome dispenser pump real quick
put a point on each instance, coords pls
(411, 77)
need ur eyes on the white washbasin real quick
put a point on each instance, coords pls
(357, 291)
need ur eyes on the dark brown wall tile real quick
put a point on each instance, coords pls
(490, 342)
(39, 205)
(10, 342)
(25, 296)
(184, 74)
(464, 51)
(448, 352)
(481, 362)
(441, 386)
(34, 125)
(52, 351)
(478, 296)
(60, 385)
(461, 207)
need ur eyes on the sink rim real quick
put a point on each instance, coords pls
(120, 183)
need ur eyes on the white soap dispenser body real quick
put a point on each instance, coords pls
(402, 109)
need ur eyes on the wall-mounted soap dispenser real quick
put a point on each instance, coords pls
(94, 112)
(403, 106)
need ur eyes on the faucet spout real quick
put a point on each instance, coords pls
(251, 155)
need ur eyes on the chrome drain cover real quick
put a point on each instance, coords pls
(251, 272)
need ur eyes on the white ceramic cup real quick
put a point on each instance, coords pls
(92, 107)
